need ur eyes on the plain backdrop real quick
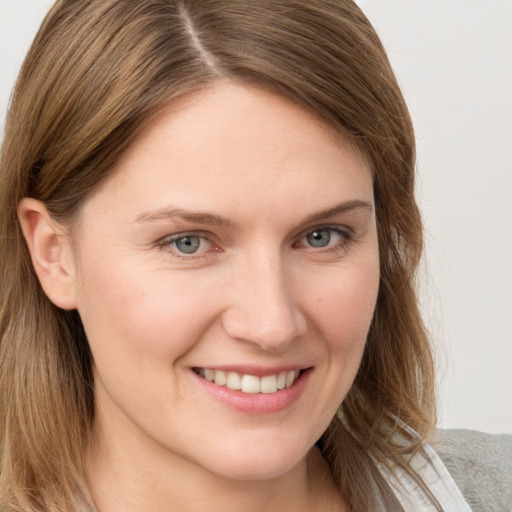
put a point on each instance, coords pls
(453, 59)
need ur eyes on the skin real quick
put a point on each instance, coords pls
(256, 293)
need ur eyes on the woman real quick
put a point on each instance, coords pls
(209, 242)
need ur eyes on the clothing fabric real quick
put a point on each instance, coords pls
(481, 465)
(431, 469)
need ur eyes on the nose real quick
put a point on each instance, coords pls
(263, 305)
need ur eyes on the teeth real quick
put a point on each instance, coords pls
(234, 381)
(269, 384)
(250, 383)
(220, 378)
(290, 378)
(281, 380)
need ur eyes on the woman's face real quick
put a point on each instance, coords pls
(237, 242)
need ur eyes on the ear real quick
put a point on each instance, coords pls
(51, 252)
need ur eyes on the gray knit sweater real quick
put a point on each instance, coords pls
(481, 465)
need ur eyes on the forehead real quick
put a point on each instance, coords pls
(235, 143)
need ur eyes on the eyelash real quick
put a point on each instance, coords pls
(346, 236)
(166, 242)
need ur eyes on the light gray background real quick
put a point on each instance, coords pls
(453, 60)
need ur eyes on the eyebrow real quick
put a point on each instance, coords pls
(197, 217)
(189, 216)
(340, 208)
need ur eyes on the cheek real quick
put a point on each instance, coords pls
(341, 313)
(129, 311)
(343, 309)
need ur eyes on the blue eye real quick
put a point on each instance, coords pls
(319, 237)
(325, 238)
(187, 244)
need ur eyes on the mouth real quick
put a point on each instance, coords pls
(250, 384)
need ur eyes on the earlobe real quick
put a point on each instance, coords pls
(50, 251)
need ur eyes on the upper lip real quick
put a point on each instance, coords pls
(257, 371)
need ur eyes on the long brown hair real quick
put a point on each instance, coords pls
(97, 71)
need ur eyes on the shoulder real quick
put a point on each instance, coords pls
(480, 464)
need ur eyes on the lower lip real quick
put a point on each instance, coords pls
(257, 403)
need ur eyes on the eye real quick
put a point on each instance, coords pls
(319, 238)
(324, 238)
(187, 244)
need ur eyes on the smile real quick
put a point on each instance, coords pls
(250, 383)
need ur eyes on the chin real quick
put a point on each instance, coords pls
(251, 460)
(250, 470)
